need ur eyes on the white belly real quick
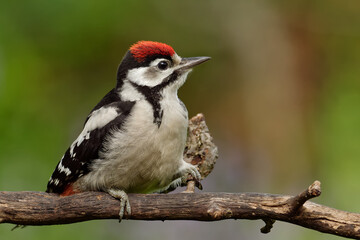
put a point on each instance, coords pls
(141, 157)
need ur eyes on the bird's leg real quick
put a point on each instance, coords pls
(124, 201)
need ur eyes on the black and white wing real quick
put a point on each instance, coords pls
(77, 159)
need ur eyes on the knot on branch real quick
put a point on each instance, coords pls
(217, 212)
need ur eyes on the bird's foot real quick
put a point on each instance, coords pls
(187, 174)
(188, 168)
(124, 202)
(193, 181)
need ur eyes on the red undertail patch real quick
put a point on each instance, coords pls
(69, 190)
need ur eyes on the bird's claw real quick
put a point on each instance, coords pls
(192, 170)
(124, 202)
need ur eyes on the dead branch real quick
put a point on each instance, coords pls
(38, 208)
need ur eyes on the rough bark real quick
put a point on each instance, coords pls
(38, 208)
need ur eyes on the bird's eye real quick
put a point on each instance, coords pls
(163, 65)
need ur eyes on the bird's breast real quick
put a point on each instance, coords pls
(142, 156)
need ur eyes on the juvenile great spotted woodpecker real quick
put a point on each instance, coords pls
(134, 138)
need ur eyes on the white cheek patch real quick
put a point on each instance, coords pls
(149, 76)
(137, 75)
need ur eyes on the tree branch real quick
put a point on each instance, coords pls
(38, 208)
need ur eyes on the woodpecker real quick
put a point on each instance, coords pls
(133, 140)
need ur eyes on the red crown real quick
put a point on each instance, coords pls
(143, 49)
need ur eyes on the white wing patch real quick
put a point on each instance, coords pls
(98, 119)
(56, 181)
(61, 168)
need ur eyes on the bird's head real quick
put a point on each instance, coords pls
(155, 65)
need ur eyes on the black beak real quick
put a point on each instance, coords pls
(188, 63)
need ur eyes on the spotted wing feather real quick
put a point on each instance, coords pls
(79, 156)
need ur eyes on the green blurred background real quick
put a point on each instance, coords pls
(281, 96)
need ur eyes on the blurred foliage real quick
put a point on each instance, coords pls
(281, 96)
